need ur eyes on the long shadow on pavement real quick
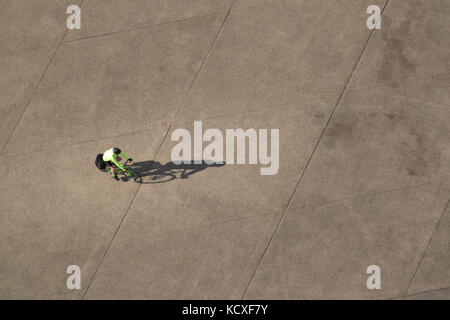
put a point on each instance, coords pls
(170, 171)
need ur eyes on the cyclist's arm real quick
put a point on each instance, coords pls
(117, 163)
(124, 155)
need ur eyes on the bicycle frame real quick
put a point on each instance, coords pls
(125, 170)
(128, 172)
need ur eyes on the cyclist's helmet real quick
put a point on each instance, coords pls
(117, 151)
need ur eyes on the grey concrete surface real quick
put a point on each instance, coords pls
(59, 210)
(413, 45)
(364, 149)
(379, 140)
(20, 73)
(433, 272)
(102, 17)
(432, 295)
(213, 261)
(235, 189)
(323, 251)
(31, 24)
(125, 82)
(267, 56)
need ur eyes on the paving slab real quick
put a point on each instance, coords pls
(378, 140)
(29, 24)
(19, 75)
(210, 262)
(414, 42)
(276, 53)
(116, 84)
(323, 251)
(59, 210)
(388, 134)
(109, 16)
(172, 200)
(434, 269)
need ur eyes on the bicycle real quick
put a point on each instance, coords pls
(127, 172)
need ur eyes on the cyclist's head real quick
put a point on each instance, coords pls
(117, 151)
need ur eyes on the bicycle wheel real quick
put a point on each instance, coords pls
(134, 176)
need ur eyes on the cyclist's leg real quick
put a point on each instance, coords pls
(112, 166)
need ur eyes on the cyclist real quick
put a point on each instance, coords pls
(112, 158)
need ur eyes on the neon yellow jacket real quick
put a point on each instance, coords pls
(109, 155)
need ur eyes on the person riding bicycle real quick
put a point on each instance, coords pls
(112, 159)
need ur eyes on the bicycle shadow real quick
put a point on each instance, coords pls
(170, 171)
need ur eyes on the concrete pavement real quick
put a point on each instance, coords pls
(364, 177)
